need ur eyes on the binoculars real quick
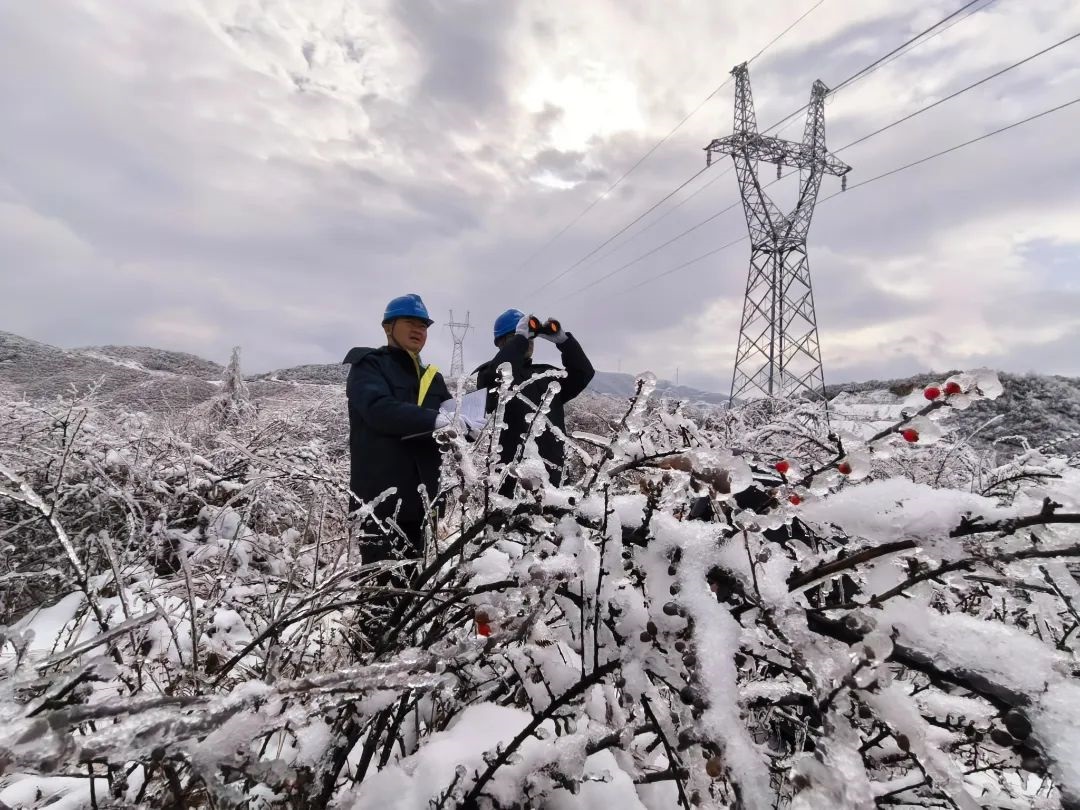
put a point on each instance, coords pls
(548, 327)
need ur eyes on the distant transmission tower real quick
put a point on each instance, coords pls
(457, 332)
(779, 354)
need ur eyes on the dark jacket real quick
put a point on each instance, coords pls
(383, 387)
(519, 416)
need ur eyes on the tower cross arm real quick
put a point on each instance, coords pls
(768, 149)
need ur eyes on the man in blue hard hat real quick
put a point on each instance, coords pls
(393, 408)
(514, 335)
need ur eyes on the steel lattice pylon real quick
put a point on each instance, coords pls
(779, 354)
(458, 331)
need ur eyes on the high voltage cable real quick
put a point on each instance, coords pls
(939, 32)
(864, 138)
(951, 96)
(660, 143)
(662, 217)
(879, 62)
(777, 38)
(688, 263)
(860, 74)
(626, 227)
(889, 173)
(986, 4)
(632, 262)
(866, 71)
(960, 146)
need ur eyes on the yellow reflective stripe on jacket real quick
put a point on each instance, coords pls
(425, 382)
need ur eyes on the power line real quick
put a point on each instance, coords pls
(880, 61)
(686, 264)
(864, 138)
(866, 71)
(939, 32)
(663, 216)
(897, 170)
(646, 255)
(959, 146)
(860, 74)
(951, 96)
(777, 38)
(623, 230)
(986, 4)
(658, 144)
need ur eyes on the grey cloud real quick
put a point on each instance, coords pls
(463, 44)
(281, 228)
(547, 118)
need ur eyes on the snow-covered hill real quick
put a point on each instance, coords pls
(1037, 409)
(608, 383)
(147, 358)
(39, 371)
(314, 373)
(623, 385)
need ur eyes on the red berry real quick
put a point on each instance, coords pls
(932, 392)
(844, 468)
(782, 467)
(795, 500)
(483, 628)
(953, 387)
(910, 434)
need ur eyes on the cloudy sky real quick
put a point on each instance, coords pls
(197, 174)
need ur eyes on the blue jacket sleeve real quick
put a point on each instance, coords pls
(579, 371)
(372, 399)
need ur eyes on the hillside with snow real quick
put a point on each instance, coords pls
(1034, 411)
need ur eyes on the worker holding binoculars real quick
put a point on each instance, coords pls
(514, 335)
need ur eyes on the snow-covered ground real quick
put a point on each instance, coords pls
(875, 612)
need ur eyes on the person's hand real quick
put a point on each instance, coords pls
(523, 328)
(441, 421)
(474, 425)
(553, 331)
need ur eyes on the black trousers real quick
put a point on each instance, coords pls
(390, 545)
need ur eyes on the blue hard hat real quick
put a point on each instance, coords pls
(507, 322)
(406, 306)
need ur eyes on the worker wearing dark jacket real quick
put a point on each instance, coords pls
(514, 339)
(393, 408)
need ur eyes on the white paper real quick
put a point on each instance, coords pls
(472, 407)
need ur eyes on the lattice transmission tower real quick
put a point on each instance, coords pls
(779, 354)
(458, 329)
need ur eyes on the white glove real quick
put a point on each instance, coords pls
(558, 337)
(522, 328)
(441, 421)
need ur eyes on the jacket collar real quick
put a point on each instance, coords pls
(404, 357)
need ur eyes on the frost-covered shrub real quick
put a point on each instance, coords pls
(763, 607)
